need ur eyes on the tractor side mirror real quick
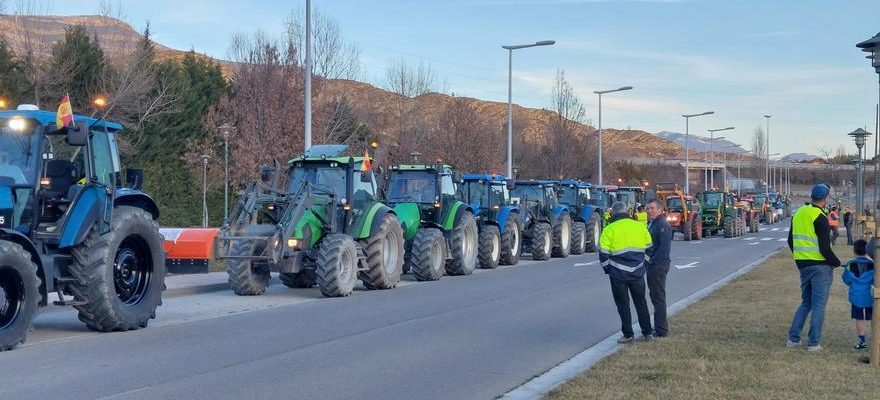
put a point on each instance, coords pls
(457, 177)
(266, 174)
(134, 178)
(511, 184)
(78, 134)
(367, 177)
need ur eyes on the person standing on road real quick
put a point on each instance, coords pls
(623, 250)
(834, 222)
(641, 215)
(848, 224)
(810, 242)
(658, 266)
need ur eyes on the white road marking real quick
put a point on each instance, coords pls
(775, 229)
(585, 264)
(697, 242)
(787, 229)
(754, 243)
(686, 266)
(782, 240)
(766, 239)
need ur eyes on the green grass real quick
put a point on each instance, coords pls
(731, 345)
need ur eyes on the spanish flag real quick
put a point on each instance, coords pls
(366, 165)
(64, 118)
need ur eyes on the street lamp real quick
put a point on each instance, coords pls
(711, 153)
(687, 154)
(859, 137)
(510, 49)
(709, 165)
(205, 159)
(767, 161)
(225, 130)
(600, 93)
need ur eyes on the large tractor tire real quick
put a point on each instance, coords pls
(464, 246)
(119, 276)
(754, 224)
(246, 278)
(578, 238)
(593, 233)
(384, 250)
(687, 231)
(729, 227)
(298, 280)
(19, 294)
(337, 265)
(511, 241)
(698, 228)
(490, 247)
(542, 241)
(562, 236)
(428, 254)
(740, 227)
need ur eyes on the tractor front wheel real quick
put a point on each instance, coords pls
(578, 238)
(464, 246)
(384, 251)
(337, 265)
(562, 236)
(19, 294)
(594, 232)
(490, 247)
(511, 241)
(698, 229)
(428, 254)
(245, 277)
(729, 227)
(542, 241)
(119, 276)
(687, 231)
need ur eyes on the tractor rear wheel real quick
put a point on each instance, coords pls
(754, 224)
(119, 276)
(698, 228)
(729, 227)
(428, 254)
(578, 238)
(246, 278)
(19, 294)
(542, 241)
(593, 233)
(337, 265)
(562, 236)
(511, 241)
(464, 246)
(384, 251)
(490, 247)
(687, 230)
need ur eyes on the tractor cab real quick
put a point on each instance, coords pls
(487, 194)
(603, 196)
(430, 187)
(539, 197)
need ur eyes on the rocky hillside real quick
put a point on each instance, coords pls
(38, 33)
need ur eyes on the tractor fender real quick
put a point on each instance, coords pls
(82, 217)
(410, 219)
(374, 219)
(456, 210)
(559, 209)
(16, 237)
(505, 213)
(137, 199)
(587, 212)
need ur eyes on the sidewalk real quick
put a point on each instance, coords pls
(731, 345)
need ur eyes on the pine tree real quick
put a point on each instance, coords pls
(14, 85)
(77, 68)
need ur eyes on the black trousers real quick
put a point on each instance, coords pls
(657, 289)
(622, 290)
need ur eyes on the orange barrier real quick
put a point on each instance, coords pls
(188, 250)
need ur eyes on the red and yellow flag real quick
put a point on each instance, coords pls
(367, 164)
(64, 118)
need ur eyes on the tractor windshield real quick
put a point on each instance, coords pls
(413, 186)
(570, 196)
(627, 197)
(712, 200)
(484, 193)
(674, 204)
(19, 155)
(332, 178)
(759, 201)
(528, 193)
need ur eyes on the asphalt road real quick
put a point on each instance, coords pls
(473, 337)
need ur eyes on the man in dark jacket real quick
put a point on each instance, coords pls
(658, 267)
(848, 224)
(810, 242)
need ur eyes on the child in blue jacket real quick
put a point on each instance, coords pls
(858, 274)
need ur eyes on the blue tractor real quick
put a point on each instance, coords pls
(497, 218)
(546, 222)
(587, 216)
(68, 227)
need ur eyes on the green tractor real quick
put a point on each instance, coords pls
(325, 226)
(720, 213)
(440, 231)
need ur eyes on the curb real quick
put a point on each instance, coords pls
(537, 387)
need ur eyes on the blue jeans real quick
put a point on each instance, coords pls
(815, 287)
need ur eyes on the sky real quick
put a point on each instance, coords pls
(793, 59)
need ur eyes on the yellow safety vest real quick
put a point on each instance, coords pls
(642, 217)
(623, 244)
(805, 242)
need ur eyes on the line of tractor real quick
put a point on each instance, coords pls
(69, 227)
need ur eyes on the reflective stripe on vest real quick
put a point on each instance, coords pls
(805, 242)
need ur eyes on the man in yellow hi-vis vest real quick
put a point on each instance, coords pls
(623, 250)
(810, 242)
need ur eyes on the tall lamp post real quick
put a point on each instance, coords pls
(687, 153)
(225, 130)
(872, 46)
(205, 159)
(709, 169)
(510, 49)
(711, 153)
(600, 93)
(767, 160)
(859, 137)
(307, 134)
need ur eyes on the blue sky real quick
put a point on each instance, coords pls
(794, 59)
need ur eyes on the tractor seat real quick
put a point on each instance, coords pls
(61, 178)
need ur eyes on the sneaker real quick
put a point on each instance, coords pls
(791, 344)
(625, 340)
(815, 348)
(661, 335)
(648, 338)
(860, 346)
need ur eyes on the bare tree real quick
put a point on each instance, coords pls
(464, 138)
(334, 57)
(408, 82)
(759, 142)
(565, 134)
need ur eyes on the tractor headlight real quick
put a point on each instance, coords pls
(292, 243)
(17, 124)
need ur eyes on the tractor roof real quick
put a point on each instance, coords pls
(484, 177)
(48, 118)
(419, 167)
(323, 153)
(534, 182)
(580, 184)
(631, 188)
